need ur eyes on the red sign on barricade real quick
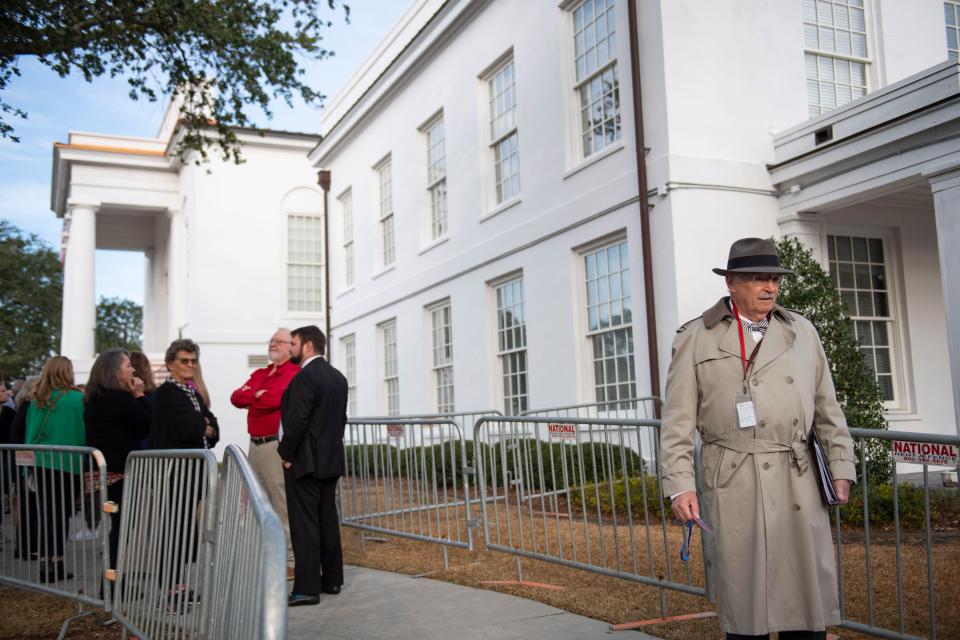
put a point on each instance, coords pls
(560, 431)
(924, 452)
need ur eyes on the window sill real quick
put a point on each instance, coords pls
(303, 314)
(503, 206)
(894, 415)
(346, 291)
(593, 159)
(434, 243)
(383, 271)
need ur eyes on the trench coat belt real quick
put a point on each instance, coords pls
(797, 448)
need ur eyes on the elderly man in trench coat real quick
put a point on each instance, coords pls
(773, 558)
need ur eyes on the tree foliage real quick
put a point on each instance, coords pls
(220, 56)
(31, 300)
(812, 293)
(119, 324)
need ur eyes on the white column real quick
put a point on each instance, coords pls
(149, 304)
(946, 202)
(808, 229)
(79, 294)
(176, 274)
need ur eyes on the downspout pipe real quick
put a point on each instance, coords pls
(645, 244)
(323, 179)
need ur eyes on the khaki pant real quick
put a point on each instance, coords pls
(267, 465)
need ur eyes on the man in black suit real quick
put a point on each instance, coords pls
(313, 415)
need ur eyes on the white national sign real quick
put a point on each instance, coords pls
(25, 459)
(562, 431)
(920, 452)
(395, 430)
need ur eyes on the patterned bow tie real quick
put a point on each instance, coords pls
(752, 327)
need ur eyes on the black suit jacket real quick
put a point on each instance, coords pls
(176, 424)
(314, 414)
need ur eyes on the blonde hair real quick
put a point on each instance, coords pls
(57, 375)
(201, 385)
(28, 391)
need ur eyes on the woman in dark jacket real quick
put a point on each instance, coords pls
(181, 419)
(116, 420)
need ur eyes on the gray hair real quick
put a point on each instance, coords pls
(183, 344)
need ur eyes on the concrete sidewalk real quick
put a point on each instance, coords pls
(377, 604)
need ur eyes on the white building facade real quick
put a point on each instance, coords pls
(486, 208)
(486, 229)
(232, 251)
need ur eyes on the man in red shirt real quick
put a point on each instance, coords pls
(260, 396)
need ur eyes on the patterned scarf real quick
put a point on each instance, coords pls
(187, 389)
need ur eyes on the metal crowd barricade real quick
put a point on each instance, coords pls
(868, 552)
(579, 492)
(54, 537)
(249, 595)
(408, 478)
(167, 521)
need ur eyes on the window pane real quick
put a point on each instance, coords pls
(880, 304)
(880, 333)
(862, 283)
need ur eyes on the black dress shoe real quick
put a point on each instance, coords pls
(332, 590)
(302, 599)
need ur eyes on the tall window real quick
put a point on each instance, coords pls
(391, 376)
(348, 347)
(595, 53)
(512, 346)
(442, 330)
(387, 247)
(437, 178)
(835, 48)
(609, 319)
(346, 209)
(859, 272)
(503, 132)
(304, 263)
(951, 13)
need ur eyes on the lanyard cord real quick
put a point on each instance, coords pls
(687, 539)
(747, 362)
(743, 349)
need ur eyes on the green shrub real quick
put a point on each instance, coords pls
(524, 458)
(588, 498)
(943, 504)
(559, 464)
(372, 460)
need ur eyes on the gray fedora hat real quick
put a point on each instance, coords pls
(753, 255)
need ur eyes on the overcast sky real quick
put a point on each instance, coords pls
(58, 105)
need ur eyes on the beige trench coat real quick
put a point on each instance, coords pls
(772, 555)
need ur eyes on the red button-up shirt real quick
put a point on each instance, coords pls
(263, 412)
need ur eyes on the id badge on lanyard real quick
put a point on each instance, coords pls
(746, 414)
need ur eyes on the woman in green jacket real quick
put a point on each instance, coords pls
(56, 418)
